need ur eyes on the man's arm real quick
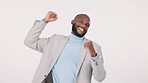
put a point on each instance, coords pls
(98, 70)
(32, 39)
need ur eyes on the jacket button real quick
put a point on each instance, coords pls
(45, 75)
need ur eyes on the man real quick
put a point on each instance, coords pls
(66, 59)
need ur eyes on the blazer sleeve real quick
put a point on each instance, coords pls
(32, 39)
(98, 70)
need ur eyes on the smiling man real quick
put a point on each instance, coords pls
(80, 25)
(66, 59)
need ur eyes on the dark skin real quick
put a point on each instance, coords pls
(82, 22)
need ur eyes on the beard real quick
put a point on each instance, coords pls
(75, 32)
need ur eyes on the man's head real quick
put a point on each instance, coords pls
(80, 25)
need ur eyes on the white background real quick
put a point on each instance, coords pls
(119, 26)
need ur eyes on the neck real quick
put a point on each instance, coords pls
(76, 35)
(74, 38)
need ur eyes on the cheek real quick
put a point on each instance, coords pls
(77, 24)
(87, 29)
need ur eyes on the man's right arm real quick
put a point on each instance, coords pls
(32, 39)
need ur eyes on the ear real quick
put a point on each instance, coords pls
(72, 21)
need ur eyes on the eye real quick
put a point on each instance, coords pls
(87, 24)
(81, 21)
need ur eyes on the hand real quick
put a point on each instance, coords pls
(89, 47)
(50, 17)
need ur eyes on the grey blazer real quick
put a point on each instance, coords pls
(51, 48)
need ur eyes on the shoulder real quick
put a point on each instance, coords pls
(58, 36)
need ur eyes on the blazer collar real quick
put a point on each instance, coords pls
(60, 46)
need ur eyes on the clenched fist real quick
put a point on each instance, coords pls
(50, 17)
(89, 47)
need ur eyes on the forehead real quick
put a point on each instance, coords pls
(82, 17)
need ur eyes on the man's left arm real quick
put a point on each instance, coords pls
(95, 52)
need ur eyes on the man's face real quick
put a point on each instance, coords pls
(80, 26)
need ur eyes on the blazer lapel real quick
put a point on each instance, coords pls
(81, 57)
(60, 46)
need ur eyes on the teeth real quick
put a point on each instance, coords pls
(81, 29)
